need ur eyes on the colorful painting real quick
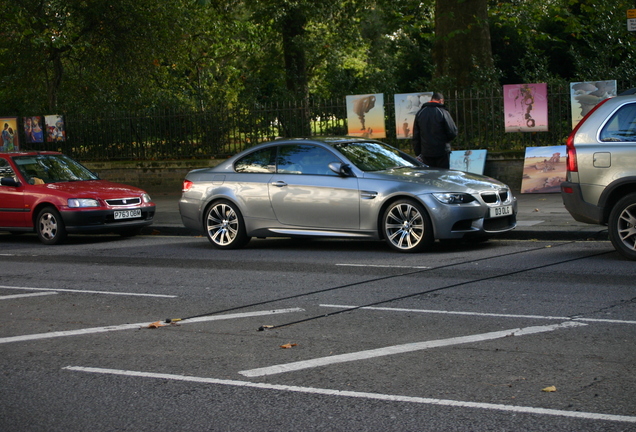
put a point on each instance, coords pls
(472, 161)
(526, 107)
(585, 95)
(365, 116)
(544, 169)
(406, 106)
(55, 130)
(33, 132)
(9, 137)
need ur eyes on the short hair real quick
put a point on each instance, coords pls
(437, 96)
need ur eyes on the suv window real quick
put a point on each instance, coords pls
(621, 126)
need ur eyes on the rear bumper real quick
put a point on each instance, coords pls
(580, 210)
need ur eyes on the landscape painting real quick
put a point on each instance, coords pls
(544, 169)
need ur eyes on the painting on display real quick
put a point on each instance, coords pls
(406, 106)
(585, 95)
(10, 139)
(55, 130)
(33, 132)
(544, 169)
(365, 116)
(472, 161)
(526, 107)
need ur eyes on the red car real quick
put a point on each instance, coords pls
(53, 195)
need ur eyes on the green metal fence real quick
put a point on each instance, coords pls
(169, 135)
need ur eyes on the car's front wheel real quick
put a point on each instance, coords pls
(50, 226)
(622, 226)
(224, 226)
(407, 227)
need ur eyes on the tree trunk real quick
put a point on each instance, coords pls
(462, 40)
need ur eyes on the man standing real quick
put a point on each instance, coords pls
(433, 130)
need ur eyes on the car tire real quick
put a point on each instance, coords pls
(224, 225)
(50, 226)
(407, 227)
(622, 226)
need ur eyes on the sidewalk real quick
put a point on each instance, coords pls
(540, 217)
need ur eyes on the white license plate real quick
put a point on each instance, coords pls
(127, 214)
(500, 211)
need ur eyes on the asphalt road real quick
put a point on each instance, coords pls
(315, 336)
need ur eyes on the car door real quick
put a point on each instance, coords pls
(304, 192)
(12, 210)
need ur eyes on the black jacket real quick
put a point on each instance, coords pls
(433, 130)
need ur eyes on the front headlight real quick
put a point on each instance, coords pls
(454, 198)
(82, 202)
(146, 198)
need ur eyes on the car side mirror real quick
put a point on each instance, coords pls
(343, 170)
(10, 181)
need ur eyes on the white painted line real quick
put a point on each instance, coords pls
(137, 326)
(361, 395)
(544, 317)
(15, 296)
(382, 266)
(87, 291)
(400, 349)
(529, 222)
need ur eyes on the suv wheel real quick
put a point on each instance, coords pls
(622, 226)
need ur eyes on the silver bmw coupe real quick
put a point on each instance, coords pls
(341, 187)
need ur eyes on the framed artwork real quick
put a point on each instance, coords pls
(472, 161)
(9, 137)
(406, 106)
(544, 169)
(585, 95)
(365, 116)
(33, 129)
(526, 107)
(55, 130)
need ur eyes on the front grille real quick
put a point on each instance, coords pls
(496, 197)
(124, 201)
(499, 224)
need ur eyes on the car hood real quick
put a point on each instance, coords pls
(442, 180)
(92, 188)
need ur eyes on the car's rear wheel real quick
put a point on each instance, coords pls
(50, 226)
(224, 226)
(407, 227)
(622, 226)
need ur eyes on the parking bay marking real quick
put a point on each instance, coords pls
(360, 395)
(139, 325)
(78, 291)
(404, 348)
(483, 314)
(16, 296)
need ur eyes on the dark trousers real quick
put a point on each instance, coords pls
(437, 162)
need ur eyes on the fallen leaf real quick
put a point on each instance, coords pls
(155, 324)
(537, 210)
(549, 389)
(288, 345)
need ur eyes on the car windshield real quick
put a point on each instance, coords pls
(375, 156)
(40, 169)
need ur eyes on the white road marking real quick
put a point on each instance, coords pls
(15, 296)
(361, 395)
(545, 317)
(382, 266)
(139, 325)
(87, 291)
(400, 349)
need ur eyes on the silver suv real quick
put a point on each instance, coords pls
(601, 171)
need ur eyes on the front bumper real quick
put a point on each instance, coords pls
(78, 221)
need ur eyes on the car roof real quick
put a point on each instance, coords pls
(30, 153)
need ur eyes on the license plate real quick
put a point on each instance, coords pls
(127, 214)
(500, 211)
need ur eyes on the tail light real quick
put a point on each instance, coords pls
(572, 165)
(187, 185)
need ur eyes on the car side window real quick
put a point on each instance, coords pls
(304, 159)
(621, 127)
(262, 161)
(5, 170)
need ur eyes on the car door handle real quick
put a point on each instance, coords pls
(279, 183)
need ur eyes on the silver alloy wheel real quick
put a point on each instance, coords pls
(626, 227)
(406, 227)
(222, 224)
(48, 226)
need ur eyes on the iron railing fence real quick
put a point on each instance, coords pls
(170, 135)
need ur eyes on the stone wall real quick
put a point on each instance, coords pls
(165, 177)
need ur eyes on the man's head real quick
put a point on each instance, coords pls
(437, 97)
